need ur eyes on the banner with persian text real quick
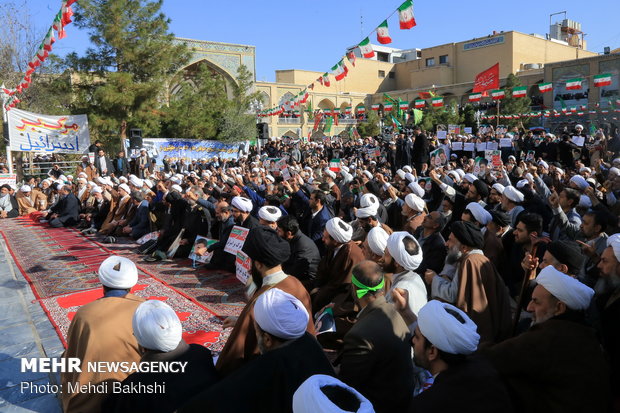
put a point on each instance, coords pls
(192, 149)
(33, 132)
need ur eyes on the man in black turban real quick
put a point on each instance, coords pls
(267, 251)
(475, 287)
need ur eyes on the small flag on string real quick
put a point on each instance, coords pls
(519, 92)
(383, 34)
(351, 57)
(405, 15)
(602, 80)
(545, 87)
(498, 94)
(574, 84)
(475, 97)
(366, 48)
(419, 103)
(437, 102)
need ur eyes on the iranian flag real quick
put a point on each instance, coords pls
(498, 94)
(351, 57)
(383, 35)
(387, 107)
(366, 48)
(347, 110)
(361, 109)
(405, 15)
(339, 70)
(574, 84)
(437, 102)
(602, 80)
(545, 87)
(519, 92)
(419, 103)
(324, 80)
(375, 106)
(403, 106)
(49, 40)
(475, 97)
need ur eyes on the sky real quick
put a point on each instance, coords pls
(314, 35)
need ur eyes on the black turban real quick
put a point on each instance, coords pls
(481, 188)
(567, 253)
(468, 234)
(500, 218)
(263, 244)
(372, 187)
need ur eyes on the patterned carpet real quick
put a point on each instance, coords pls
(61, 267)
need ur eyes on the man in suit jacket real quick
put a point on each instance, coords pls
(314, 217)
(121, 165)
(433, 244)
(66, 212)
(376, 358)
(305, 256)
(102, 164)
(140, 225)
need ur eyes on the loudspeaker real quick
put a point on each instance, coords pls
(135, 138)
(263, 130)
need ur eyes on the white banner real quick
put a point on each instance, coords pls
(33, 132)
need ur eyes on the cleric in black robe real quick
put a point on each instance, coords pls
(288, 357)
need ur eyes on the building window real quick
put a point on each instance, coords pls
(383, 57)
(391, 75)
(381, 73)
(443, 60)
(418, 53)
(430, 62)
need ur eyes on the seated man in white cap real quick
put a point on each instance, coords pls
(102, 331)
(159, 333)
(334, 272)
(288, 356)
(241, 209)
(375, 243)
(376, 357)
(476, 287)
(561, 341)
(327, 394)
(367, 218)
(511, 203)
(608, 303)
(25, 200)
(269, 215)
(267, 251)
(443, 343)
(402, 258)
(118, 209)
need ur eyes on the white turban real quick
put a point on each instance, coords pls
(560, 171)
(242, 204)
(135, 181)
(281, 314)
(584, 201)
(470, 178)
(445, 331)
(454, 175)
(123, 180)
(407, 169)
(480, 214)
(118, 272)
(270, 178)
(339, 230)
(613, 171)
(498, 187)
(614, 242)
(460, 172)
(369, 211)
(522, 183)
(569, 290)
(102, 180)
(309, 398)
(409, 176)
(543, 164)
(176, 180)
(396, 248)
(156, 326)
(377, 240)
(369, 200)
(82, 174)
(415, 202)
(148, 183)
(82, 180)
(329, 173)
(25, 188)
(125, 188)
(400, 173)
(177, 188)
(513, 194)
(96, 190)
(585, 169)
(579, 181)
(270, 213)
(416, 189)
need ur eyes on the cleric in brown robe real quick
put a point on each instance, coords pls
(25, 200)
(101, 331)
(268, 251)
(476, 287)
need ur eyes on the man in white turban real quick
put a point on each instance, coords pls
(269, 215)
(511, 203)
(159, 333)
(241, 209)
(101, 331)
(561, 337)
(326, 394)
(289, 355)
(375, 243)
(444, 339)
(608, 303)
(25, 200)
(402, 257)
(334, 271)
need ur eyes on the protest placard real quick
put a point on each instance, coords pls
(199, 251)
(236, 239)
(578, 140)
(505, 143)
(8, 179)
(438, 157)
(442, 134)
(469, 146)
(243, 267)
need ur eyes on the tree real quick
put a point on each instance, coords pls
(370, 127)
(511, 105)
(468, 116)
(124, 76)
(238, 123)
(445, 115)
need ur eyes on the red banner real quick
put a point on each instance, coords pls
(489, 79)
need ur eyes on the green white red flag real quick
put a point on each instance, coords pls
(375, 106)
(574, 84)
(475, 97)
(351, 57)
(602, 80)
(545, 87)
(437, 102)
(361, 109)
(498, 94)
(366, 48)
(403, 106)
(339, 70)
(419, 103)
(519, 92)
(387, 107)
(405, 15)
(383, 34)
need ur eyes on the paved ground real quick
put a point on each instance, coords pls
(25, 332)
